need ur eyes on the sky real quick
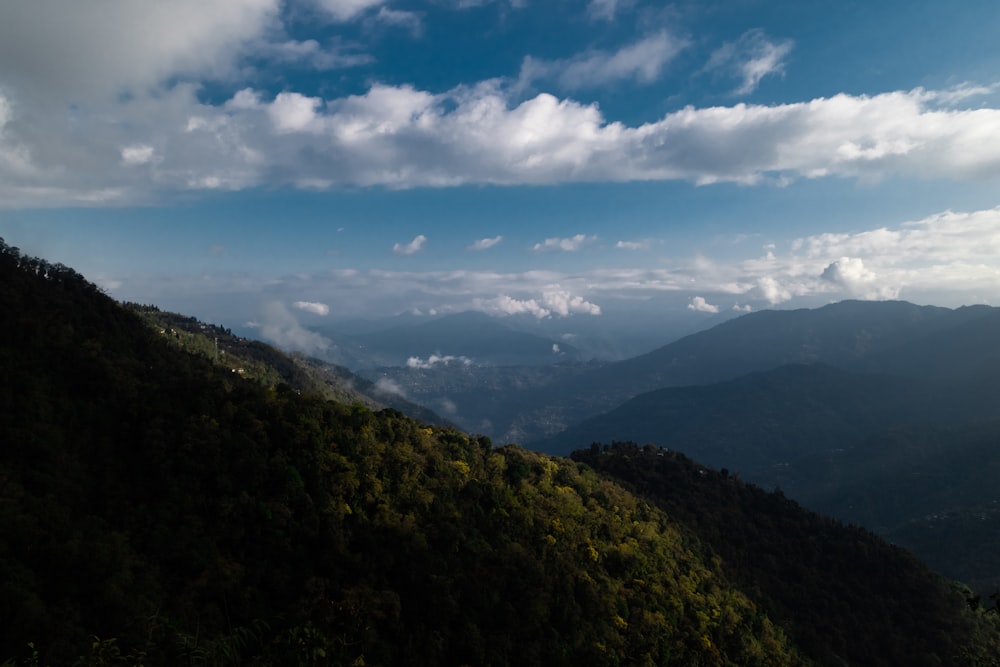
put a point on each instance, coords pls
(577, 162)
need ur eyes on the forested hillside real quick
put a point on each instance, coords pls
(258, 361)
(831, 586)
(157, 508)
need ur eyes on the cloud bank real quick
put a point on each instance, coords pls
(402, 137)
(949, 258)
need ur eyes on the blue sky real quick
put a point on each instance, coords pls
(568, 160)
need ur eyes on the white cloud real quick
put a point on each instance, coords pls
(571, 244)
(346, 10)
(137, 154)
(772, 290)
(507, 305)
(752, 57)
(280, 327)
(313, 307)
(850, 273)
(399, 137)
(410, 21)
(699, 304)
(437, 360)
(641, 62)
(335, 56)
(605, 9)
(632, 245)
(390, 387)
(485, 244)
(555, 348)
(553, 301)
(291, 112)
(410, 248)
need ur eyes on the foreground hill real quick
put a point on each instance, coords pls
(156, 508)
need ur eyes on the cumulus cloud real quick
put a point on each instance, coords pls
(292, 112)
(571, 244)
(699, 304)
(410, 248)
(552, 302)
(485, 244)
(641, 62)
(313, 307)
(437, 360)
(750, 58)
(850, 273)
(773, 290)
(400, 137)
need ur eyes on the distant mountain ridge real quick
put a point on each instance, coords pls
(893, 337)
(896, 409)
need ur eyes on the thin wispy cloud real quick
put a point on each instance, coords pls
(641, 62)
(605, 10)
(486, 244)
(346, 10)
(336, 55)
(413, 247)
(633, 245)
(751, 58)
(406, 20)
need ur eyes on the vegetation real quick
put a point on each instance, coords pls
(258, 361)
(158, 509)
(842, 594)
